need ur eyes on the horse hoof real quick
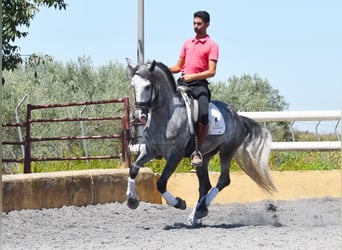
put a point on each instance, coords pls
(194, 221)
(201, 214)
(132, 202)
(181, 204)
(201, 208)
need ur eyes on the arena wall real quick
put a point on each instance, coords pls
(77, 188)
(89, 187)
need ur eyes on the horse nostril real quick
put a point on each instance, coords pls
(143, 118)
(141, 115)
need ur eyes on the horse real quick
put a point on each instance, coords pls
(168, 133)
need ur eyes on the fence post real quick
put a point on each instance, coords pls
(27, 161)
(126, 131)
(83, 133)
(19, 128)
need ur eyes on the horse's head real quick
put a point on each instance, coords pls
(141, 78)
(153, 84)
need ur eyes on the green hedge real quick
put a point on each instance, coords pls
(279, 161)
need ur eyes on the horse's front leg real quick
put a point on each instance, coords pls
(171, 165)
(132, 198)
(201, 207)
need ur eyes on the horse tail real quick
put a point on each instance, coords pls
(254, 152)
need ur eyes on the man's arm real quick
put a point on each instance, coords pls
(178, 66)
(203, 75)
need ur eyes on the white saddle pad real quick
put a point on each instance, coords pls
(217, 126)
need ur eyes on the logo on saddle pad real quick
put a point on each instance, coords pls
(217, 126)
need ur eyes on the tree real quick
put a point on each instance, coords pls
(252, 93)
(16, 14)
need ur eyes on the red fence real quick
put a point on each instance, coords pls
(123, 136)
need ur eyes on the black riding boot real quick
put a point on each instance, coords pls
(196, 158)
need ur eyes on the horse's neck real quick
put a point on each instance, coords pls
(168, 100)
(169, 119)
(167, 93)
(167, 103)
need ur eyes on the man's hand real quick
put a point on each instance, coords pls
(188, 78)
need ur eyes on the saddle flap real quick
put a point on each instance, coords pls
(194, 110)
(217, 124)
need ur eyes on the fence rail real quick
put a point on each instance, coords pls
(293, 116)
(327, 115)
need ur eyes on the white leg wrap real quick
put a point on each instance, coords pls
(170, 199)
(211, 195)
(130, 186)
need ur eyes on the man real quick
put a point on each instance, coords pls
(197, 62)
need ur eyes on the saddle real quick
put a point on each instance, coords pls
(217, 125)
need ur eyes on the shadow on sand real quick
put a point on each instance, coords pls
(189, 226)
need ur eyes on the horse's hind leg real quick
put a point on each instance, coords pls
(224, 179)
(226, 157)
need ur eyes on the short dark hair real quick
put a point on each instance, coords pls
(203, 15)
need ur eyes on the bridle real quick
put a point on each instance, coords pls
(147, 104)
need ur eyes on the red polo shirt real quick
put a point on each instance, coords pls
(197, 53)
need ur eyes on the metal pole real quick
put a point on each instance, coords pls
(19, 128)
(27, 160)
(126, 129)
(140, 50)
(83, 134)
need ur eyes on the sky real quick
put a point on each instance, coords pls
(295, 45)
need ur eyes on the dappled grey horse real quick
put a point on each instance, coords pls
(169, 132)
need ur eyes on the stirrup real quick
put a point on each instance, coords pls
(195, 163)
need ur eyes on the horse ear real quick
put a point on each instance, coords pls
(153, 65)
(130, 68)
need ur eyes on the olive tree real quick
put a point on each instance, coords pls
(252, 93)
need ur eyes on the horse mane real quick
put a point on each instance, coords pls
(146, 73)
(168, 74)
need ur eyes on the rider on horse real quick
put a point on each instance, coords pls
(197, 62)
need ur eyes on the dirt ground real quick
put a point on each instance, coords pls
(298, 224)
(241, 217)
